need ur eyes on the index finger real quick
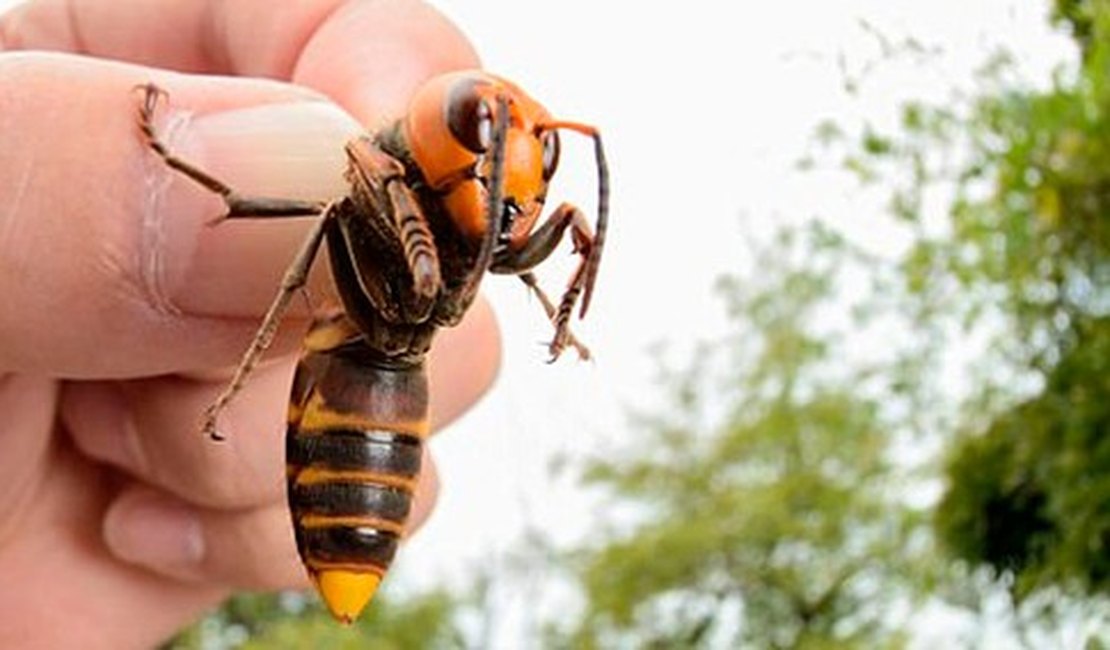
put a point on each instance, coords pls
(334, 46)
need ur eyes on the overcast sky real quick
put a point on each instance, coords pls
(705, 106)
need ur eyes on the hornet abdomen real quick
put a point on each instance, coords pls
(357, 424)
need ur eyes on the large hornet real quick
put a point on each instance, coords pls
(450, 191)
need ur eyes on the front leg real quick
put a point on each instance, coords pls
(539, 246)
(389, 207)
(238, 206)
(529, 280)
(244, 207)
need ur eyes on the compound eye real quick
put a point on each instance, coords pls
(470, 118)
(550, 154)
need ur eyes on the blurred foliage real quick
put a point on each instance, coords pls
(1078, 16)
(773, 524)
(1019, 247)
(778, 522)
(294, 621)
(1031, 494)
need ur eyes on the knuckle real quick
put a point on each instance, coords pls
(224, 481)
(253, 549)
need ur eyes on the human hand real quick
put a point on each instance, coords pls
(123, 313)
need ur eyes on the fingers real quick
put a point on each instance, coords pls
(104, 248)
(28, 404)
(463, 364)
(247, 548)
(340, 58)
(151, 428)
(200, 504)
(368, 56)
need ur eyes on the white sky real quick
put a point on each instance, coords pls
(705, 105)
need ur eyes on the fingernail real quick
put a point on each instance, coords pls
(288, 150)
(154, 531)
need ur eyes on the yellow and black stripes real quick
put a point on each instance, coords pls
(353, 453)
(351, 493)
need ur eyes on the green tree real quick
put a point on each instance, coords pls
(768, 512)
(1031, 494)
(294, 621)
(1022, 252)
(771, 512)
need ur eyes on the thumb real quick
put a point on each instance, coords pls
(106, 265)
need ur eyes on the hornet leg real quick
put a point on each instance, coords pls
(295, 277)
(538, 247)
(238, 206)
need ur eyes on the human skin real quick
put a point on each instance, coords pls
(124, 313)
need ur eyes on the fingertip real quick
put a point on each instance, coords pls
(465, 361)
(155, 531)
(426, 495)
(100, 232)
(97, 417)
(290, 150)
(244, 548)
(372, 56)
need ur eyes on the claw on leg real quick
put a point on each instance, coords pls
(563, 336)
(208, 425)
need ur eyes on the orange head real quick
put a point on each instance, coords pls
(449, 130)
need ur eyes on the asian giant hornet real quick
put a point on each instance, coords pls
(453, 189)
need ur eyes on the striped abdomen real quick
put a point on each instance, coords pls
(353, 452)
